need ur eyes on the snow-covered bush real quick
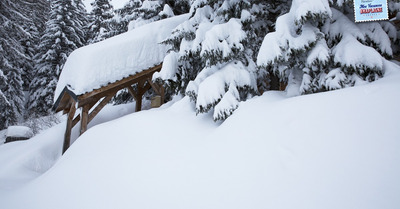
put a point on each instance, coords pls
(317, 46)
(212, 59)
(38, 124)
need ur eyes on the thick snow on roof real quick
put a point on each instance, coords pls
(96, 65)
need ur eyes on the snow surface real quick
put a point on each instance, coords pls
(337, 149)
(23, 161)
(96, 65)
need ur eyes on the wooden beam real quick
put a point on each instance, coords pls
(124, 81)
(155, 86)
(85, 118)
(76, 120)
(145, 88)
(67, 135)
(63, 101)
(99, 107)
(132, 92)
(65, 111)
(83, 101)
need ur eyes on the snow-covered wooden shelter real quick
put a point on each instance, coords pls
(93, 74)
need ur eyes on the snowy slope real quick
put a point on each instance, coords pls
(22, 161)
(337, 149)
(113, 59)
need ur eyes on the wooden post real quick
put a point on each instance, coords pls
(282, 86)
(139, 95)
(85, 118)
(162, 94)
(67, 136)
(138, 103)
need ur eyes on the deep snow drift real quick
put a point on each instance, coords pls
(22, 161)
(337, 149)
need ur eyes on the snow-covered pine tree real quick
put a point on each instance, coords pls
(148, 12)
(79, 17)
(37, 12)
(178, 6)
(212, 59)
(7, 114)
(12, 59)
(63, 34)
(318, 47)
(102, 12)
(119, 23)
(394, 12)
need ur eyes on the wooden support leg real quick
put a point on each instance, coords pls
(67, 136)
(138, 103)
(139, 95)
(85, 118)
(162, 94)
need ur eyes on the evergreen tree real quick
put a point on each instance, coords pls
(119, 23)
(320, 48)
(179, 6)
(102, 11)
(64, 33)
(394, 34)
(80, 19)
(37, 12)
(212, 59)
(7, 114)
(12, 60)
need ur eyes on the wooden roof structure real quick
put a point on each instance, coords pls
(91, 103)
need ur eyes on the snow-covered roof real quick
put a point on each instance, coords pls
(19, 131)
(113, 59)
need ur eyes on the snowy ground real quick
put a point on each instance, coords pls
(336, 149)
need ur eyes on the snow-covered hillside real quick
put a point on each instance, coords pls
(336, 149)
